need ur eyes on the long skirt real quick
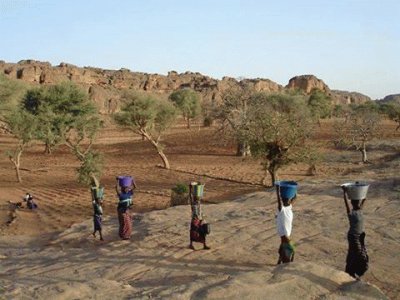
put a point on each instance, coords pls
(125, 224)
(97, 222)
(357, 257)
(196, 232)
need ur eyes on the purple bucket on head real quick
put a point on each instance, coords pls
(124, 181)
(288, 189)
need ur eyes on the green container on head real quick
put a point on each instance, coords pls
(97, 193)
(198, 190)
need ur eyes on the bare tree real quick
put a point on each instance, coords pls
(361, 127)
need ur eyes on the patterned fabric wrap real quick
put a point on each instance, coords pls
(196, 232)
(125, 224)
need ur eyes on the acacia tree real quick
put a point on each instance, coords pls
(233, 115)
(57, 108)
(67, 116)
(149, 117)
(361, 127)
(188, 102)
(22, 126)
(280, 127)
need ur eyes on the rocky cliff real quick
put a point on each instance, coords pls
(105, 86)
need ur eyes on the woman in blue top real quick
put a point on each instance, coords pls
(125, 196)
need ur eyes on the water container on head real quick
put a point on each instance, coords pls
(97, 192)
(288, 189)
(356, 190)
(125, 181)
(198, 190)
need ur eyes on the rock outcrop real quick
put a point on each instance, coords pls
(105, 86)
(344, 97)
(307, 83)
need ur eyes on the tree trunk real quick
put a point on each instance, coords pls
(18, 173)
(160, 152)
(47, 149)
(312, 170)
(164, 159)
(243, 150)
(188, 123)
(364, 155)
(272, 172)
(16, 162)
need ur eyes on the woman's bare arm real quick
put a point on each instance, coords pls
(278, 197)
(346, 201)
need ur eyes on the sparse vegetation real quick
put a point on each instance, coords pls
(362, 125)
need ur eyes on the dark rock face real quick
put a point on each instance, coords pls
(105, 86)
(391, 99)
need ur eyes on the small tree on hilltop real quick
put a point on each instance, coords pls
(22, 126)
(361, 127)
(188, 102)
(148, 117)
(279, 129)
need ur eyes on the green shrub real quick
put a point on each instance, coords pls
(180, 189)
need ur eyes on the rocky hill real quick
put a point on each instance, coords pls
(105, 86)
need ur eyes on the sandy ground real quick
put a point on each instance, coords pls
(49, 253)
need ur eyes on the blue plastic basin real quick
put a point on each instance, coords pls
(288, 189)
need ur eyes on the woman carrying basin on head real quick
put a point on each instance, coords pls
(286, 193)
(125, 195)
(198, 227)
(357, 258)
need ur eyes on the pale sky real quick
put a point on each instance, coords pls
(351, 45)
